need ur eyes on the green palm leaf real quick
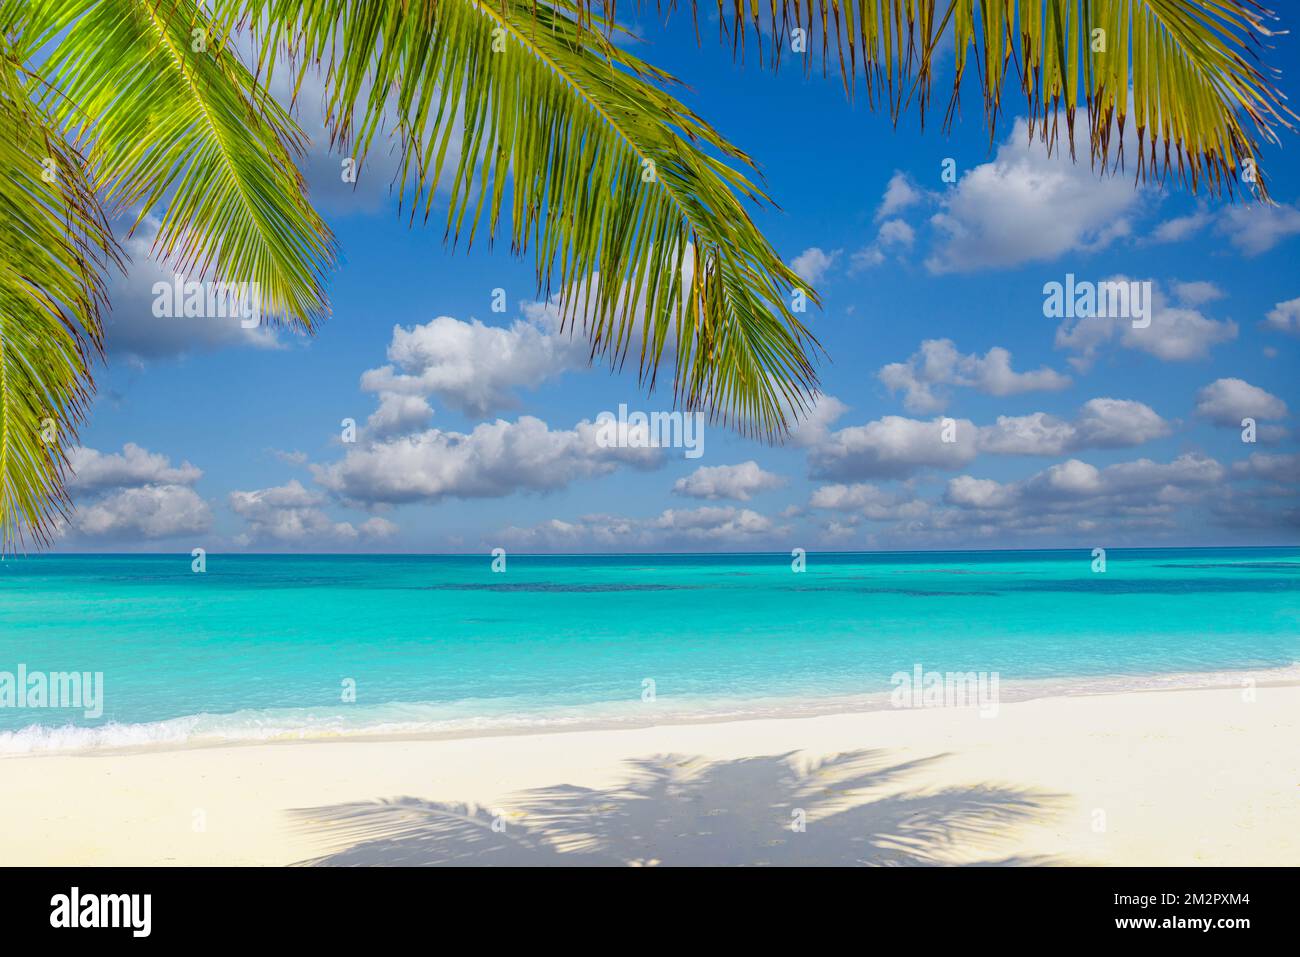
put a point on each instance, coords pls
(54, 247)
(170, 117)
(599, 168)
(1184, 71)
(633, 206)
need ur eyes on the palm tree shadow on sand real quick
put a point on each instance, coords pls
(675, 810)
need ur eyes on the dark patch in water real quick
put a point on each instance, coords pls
(1097, 585)
(951, 571)
(1106, 585)
(1283, 565)
(551, 587)
(910, 592)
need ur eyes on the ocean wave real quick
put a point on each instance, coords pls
(478, 717)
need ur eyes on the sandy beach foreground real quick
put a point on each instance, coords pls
(1176, 777)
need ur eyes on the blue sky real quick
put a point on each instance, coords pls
(1068, 434)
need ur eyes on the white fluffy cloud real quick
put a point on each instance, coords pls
(1284, 317)
(897, 447)
(479, 369)
(294, 457)
(868, 501)
(133, 495)
(1255, 228)
(1272, 468)
(893, 236)
(1139, 483)
(1102, 423)
(740, 482)
(1196, 293)
(495, 459)
(292, 514)
(148, 512)
(970, 492)
(813, 263)
(1074, 502)
(1182, 227)
(1026, 206)
(900, 194)
(378, 180)
(1252, 228)
(938, 363)
(132, 330)
(707, 526)
(892, 447)
(813, 427)
(1178, 331)
(470, 366)
(398, 414)
(131, 468)
(1228, 401)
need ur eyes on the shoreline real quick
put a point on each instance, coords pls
(780, 708)
(1180, 777)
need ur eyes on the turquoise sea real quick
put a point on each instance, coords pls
(270, 646)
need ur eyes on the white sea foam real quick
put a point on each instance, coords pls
(476, 717)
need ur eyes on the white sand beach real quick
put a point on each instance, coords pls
(1188, 777)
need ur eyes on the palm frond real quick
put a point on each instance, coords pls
(600, 169)
(54, 248)
(1187, 72)
(170, 117)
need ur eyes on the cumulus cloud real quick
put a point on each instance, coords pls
(495, 459)
(479, 369)
(335, 183)
(323, 165)
(740, 482)
(292, 514)
(1078, 503)
(146, 512)
(1026, 206)
(1196, 293)
(1142, 486)
(900, 194)
(133, 331)
(1102, 423)
(867, 501)
(1228, 401)
(967, 491)
(1177, 332)
(398, 414)
(707, 526)
(134, 466)
(132, 495)
(472, 367)
(898, 447)
(1272, 468)
(938, 363)
(892, 447)
(813, 263)
(1106, 423)
(290, 456)
(1254, 228)
(712, 523)
(893, 236)
(1259, 513)
(813, 427)
(1284, 317)
(1182, 227)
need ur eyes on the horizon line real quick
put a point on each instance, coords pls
(479, 553)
